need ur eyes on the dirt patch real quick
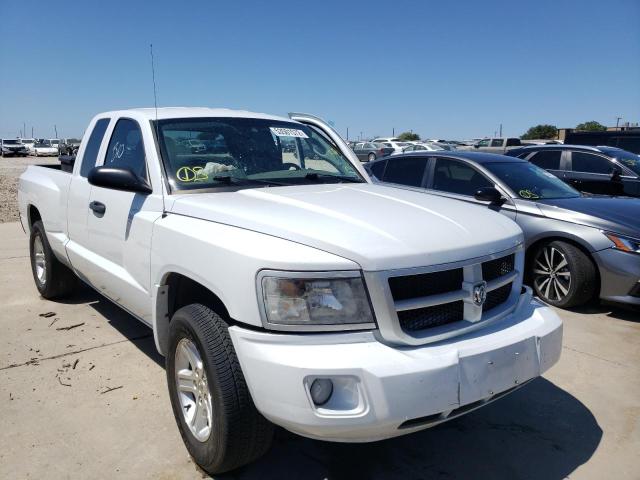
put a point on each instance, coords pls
(10, 169)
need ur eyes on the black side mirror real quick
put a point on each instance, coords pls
(118, 178)
(489, 194)
(476, 145)
(616, 172)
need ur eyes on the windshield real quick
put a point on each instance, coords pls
(211, 152)
(531, 182)
(11, 142)
(629, 160)
(42, 145)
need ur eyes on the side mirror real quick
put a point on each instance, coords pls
(616, 172)
(475, 145)
(489, 194)
(118, 178)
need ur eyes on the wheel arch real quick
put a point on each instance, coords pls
(176, 291)
(33, 215)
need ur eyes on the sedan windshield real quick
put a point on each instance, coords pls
(531, 182)
(202, 153)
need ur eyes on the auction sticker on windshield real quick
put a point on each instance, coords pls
(288, 132)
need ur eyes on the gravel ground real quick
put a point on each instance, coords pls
(10, 170)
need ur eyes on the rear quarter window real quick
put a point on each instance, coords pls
(90, 154)
(547, 159)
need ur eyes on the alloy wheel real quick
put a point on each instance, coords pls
(552, 276)
(39, 259)
(193, 389)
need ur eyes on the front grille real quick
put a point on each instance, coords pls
(496, 297)
(425, 284)
(428, 317)
(497, 268)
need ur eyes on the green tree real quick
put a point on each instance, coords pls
(541, 131)
(591, 126)
(409, 137)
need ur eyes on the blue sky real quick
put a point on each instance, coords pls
(443, 69)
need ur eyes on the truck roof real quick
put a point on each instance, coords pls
(191, 112)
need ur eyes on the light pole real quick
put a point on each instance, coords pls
(618, 121)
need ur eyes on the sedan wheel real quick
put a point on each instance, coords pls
(552, 274)
(563, 275)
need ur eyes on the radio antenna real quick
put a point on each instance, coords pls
(155, 105)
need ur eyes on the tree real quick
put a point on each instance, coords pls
(409, 137)
(591, 126)
(541, 132)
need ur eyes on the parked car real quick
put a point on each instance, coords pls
(54, 142)
(296, 294)
(628, 139)
(496, 145)
(422, 147)
(577, 247)
(12, 147)
(69, 146)
(392, 142)
(28, 142)
(368, 151)
(44, 149)
(599, 170)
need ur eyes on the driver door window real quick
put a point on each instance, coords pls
(457, 177)
(126, 149)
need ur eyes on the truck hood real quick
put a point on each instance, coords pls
(376, 226)
(614, 214)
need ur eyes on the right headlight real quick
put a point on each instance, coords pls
(626, 244)
(308, 301)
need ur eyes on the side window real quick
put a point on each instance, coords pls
(512, 142)
(377, 169)
(483, 143)
(457, 177)
(405, 171)
(497, 142)
(590, 163)
(93, 145)
(547, 159)
(126, 148)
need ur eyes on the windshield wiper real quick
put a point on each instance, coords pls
(344, 178)
(233, 180)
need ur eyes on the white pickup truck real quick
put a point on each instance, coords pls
(281, 285)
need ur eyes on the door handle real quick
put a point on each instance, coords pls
(98, 207)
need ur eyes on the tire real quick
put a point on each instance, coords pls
(572, 279)
(372, 157)
(53, 279)
(238, 433)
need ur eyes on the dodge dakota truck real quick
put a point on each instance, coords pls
(282, 286)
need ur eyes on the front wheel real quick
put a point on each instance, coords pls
(217, 419)
(372, 157)
(563, 275)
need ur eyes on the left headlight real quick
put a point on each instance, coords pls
(315, 301)
(626, 244)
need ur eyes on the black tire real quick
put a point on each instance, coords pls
(58, 280)
(582, 274)
(372, 157)
(239, 433)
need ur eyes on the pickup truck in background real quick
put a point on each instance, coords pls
(496, 145)
(282, 286)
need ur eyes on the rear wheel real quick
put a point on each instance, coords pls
(217, 419)
(53, 278)
(372, 157)
(563, 275)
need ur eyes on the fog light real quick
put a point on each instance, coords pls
(321, 390)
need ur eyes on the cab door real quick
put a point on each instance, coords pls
(120, 223)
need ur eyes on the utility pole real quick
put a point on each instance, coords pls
(618, 121)
(360, 135)
(347, 134)
(500, 131)
(31, 131)
(55, 127)
(394, 132)
(24, 128)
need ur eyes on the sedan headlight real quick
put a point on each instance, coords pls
(626, 244)
(315, 301)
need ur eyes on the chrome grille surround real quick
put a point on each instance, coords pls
(386, 309)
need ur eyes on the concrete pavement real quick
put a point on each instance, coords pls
(91, 402)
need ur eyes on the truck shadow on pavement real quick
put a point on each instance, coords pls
(539, 431)
(627, 313)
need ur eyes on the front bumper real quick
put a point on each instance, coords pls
(619, 276)
(382, 391)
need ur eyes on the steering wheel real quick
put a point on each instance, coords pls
(291, 164)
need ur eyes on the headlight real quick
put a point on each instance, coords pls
(626, 244)
(315, 301)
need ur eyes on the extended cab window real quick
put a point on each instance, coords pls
(589, 163)
(547, 159)
(201, 153)
(513, 142)
(483, 143)
(496, 143)
(126, 148)
(405, 171)
(93, 145)
(457, 177)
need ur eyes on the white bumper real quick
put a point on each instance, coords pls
(382, 391)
